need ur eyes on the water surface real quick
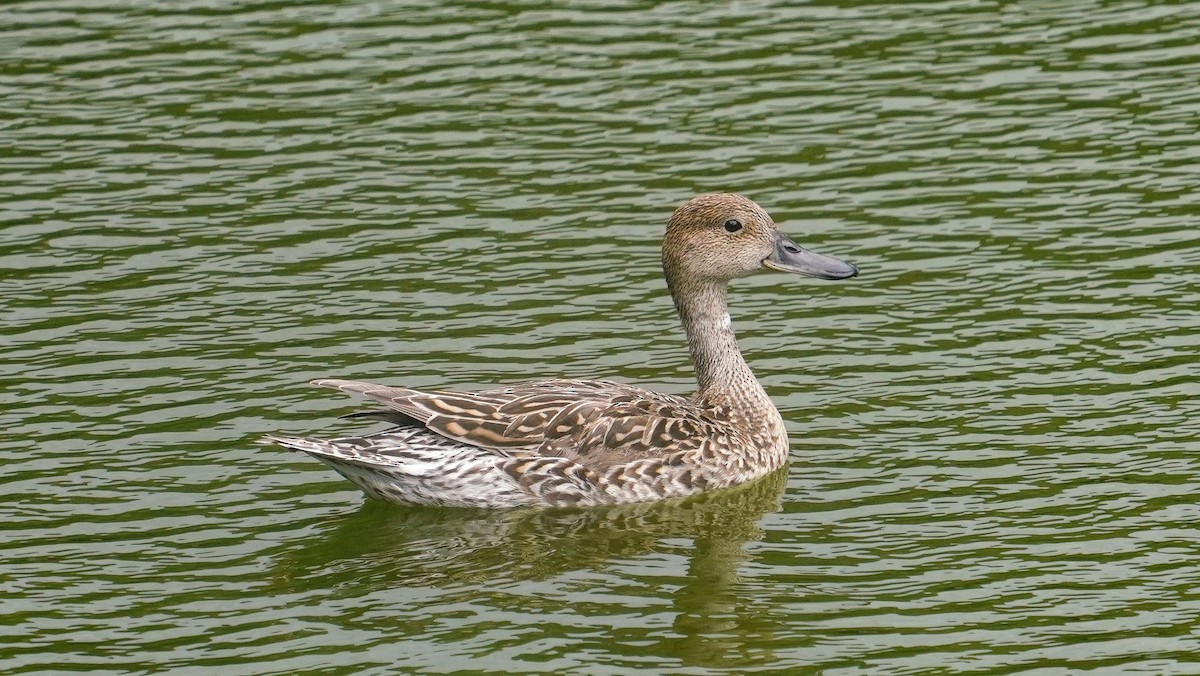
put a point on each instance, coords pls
(994, 427)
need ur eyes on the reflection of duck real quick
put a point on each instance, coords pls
(382, 547)
(589, 442)
(664, 573)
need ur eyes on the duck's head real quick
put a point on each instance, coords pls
(723, 236)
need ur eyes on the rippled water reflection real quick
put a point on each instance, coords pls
(993, 427)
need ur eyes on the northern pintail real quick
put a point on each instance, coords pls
(567, 443)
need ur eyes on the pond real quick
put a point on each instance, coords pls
(994, 427)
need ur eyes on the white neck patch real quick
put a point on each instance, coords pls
(727, 323)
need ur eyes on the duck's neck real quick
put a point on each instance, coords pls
(720, 368)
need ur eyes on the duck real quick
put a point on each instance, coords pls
(584, 443)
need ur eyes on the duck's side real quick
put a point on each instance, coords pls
(582, 442)
(555, 443)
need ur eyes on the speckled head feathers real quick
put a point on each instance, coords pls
(719, 236)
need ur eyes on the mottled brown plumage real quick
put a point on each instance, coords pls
(589, 442)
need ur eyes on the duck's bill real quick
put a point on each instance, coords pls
(791, 257)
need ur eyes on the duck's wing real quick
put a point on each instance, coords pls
(598, 423)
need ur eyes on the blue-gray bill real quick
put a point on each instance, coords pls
(791, 257)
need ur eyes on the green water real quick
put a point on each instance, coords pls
(995, 428)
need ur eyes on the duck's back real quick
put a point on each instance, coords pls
(597, 423)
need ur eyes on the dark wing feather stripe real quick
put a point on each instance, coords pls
(572, 417)
(535, 403)
(455, 406)
(484, 433)
(528, 428)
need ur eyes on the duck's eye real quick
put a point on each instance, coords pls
(733, 225)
